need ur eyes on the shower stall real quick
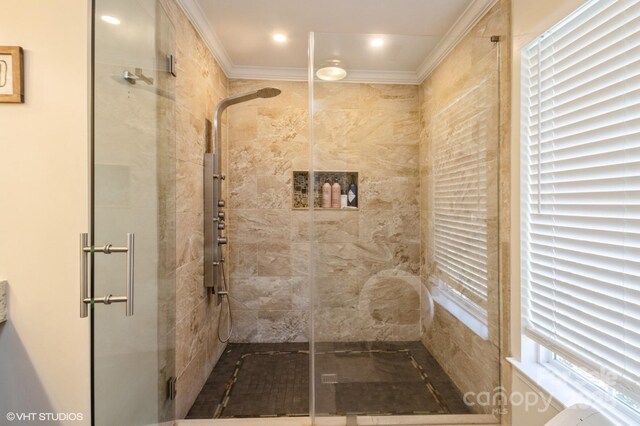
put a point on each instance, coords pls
(254, 296)
(387, 307)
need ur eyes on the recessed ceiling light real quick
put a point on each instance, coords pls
(333, 71)
(279, 37)
(377, 42)
(110, 20)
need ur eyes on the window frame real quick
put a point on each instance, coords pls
(534, 361)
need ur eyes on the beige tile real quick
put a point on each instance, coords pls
(189, 287)
(389, 226)
(274, 192)
(243, 192)
(245, 326)
(243, 260)
(390, 96)
(355, 259)
(274, 259)
(243, 123)
(189, 187)
(189, 238)
(284, 124)
(260, 226)
(328, 226)
(300, 259)
(338, 291)
(391, 193)
(389, 159)
(189, 382)
(261, 293)
(283, 326)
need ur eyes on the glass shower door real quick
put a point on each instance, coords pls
(133, 224)
(405, 282)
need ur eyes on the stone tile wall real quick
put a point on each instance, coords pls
(366, 261)
(472, 362)
(200, 85)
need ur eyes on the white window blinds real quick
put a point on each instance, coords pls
(460, 137)
(581, 189)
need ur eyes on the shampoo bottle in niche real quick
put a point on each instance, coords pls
(326, 195)
(335, 195)
(352, 195)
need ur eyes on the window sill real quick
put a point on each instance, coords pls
(551, 381)
(464, 314)
(540, 378)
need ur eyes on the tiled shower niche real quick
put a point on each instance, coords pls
(301, 187)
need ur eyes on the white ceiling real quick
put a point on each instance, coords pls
(417, 34)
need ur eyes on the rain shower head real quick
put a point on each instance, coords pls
(268, 92)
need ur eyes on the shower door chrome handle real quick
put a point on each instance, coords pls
(85, 250)
(130, 269)
(84, 275)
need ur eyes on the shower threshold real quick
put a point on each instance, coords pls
(417, 420)
(389, 380)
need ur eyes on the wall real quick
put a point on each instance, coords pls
(367, 261)
(200, 85)
(472, 362)
(44, 347)
(529, 21)
(268, 139)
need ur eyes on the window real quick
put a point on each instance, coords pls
(580, 201)
(460, 138)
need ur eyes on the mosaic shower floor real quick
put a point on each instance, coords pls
(272, 380)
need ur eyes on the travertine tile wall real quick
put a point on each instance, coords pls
(268, 139)
(367, 261)
(200, 85)
(471, 362)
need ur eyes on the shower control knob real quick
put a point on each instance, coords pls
(220, 225)
(220, 203)
(221, 215)
(222, 240)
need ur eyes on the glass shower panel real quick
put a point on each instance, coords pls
(133, 193)
(405, 282)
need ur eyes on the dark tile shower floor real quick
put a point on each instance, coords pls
(272, 379)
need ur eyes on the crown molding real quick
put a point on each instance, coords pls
(202, 25)
(382, 77)
(268, 73)
(301, 74)
(470, 17)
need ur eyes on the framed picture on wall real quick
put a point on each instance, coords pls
(11, 74)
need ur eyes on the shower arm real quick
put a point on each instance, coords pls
(217, 116)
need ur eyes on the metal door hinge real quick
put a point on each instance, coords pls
(171, 388)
